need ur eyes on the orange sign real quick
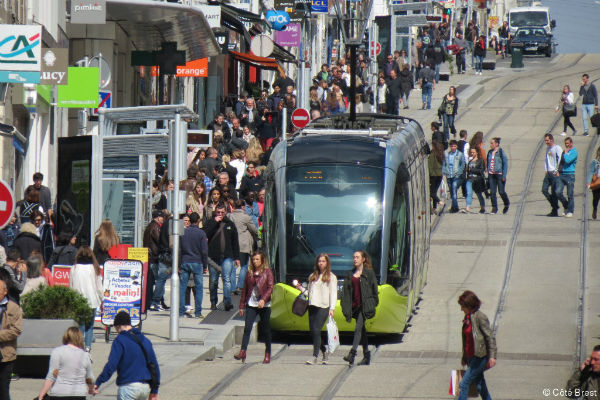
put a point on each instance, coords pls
(195, 68)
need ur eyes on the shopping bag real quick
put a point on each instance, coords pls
(455, 378)
(333, 336)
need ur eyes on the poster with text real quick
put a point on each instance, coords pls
(122, 290)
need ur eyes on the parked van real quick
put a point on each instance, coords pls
(530, 16)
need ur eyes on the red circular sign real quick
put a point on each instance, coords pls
(7, 204)
(300, 118)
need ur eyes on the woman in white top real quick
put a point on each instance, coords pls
(567, 100)
(70, 371)
(240, 165)
(322, 298)
(87, 280)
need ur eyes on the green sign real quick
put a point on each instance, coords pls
(82, 90)
(45, 92)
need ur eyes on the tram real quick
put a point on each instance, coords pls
(337, 187)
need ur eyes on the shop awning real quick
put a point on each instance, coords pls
(150, 23)
(255, 61)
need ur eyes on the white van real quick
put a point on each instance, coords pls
(530, 16)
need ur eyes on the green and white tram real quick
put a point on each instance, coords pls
(334, 189)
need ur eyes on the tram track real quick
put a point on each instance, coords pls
(216, 390)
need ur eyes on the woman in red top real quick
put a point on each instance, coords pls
(479, 346)
(256, 300)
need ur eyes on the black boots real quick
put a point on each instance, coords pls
(366, 359)
(350, 357)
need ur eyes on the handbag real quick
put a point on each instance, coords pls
(595, 184)
(333, 336)
(300, 305)
(456, 376)
(570, 110)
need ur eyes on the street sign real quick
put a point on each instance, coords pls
(300, 118)
(320, 6)
(105, 101)
(374, 48)
(20, 76)
(88, 12)
(55, 64)
(82, 89)
(20, 47)
(7, 204)
(262, 45)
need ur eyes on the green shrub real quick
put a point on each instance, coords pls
(56, 302)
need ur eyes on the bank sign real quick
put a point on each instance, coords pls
(20, 47)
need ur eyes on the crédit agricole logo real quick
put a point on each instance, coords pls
(20, 47)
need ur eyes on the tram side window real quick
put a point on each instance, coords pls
(270, 224)
(399, 253)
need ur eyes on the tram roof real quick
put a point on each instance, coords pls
(376, 125)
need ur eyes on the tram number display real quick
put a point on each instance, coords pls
(317, 175)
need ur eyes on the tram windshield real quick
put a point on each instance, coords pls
(332, 209)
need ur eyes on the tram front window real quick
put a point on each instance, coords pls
(332, 209)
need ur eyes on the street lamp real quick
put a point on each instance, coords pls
(352, 17)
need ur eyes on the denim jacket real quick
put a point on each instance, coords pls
(458, 165)
(500, 162)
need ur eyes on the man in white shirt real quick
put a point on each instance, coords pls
(552, 162)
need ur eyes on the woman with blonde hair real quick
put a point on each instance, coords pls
(256, 301)
(106, 237)
(70, 373)
(322, 298)
(254, 151)
(87, 280)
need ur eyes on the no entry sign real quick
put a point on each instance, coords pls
(300, 118)
(7, 204)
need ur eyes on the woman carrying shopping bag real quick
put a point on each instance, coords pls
(359, 300)
(322, 297)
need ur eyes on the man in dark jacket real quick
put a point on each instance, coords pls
(224, 250)
(17, 270)
(436, 55)
(45, 195)
(194, 256)
(27, 241)
(589, 103)
(585, 382)
(219, 124)
(249, 115)
(158, 277)
(252, 181)
(394, 87)
(131, 362)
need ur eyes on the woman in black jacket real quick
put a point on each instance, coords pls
(406, 83)
(479, 53)
(359, 300)
(475, 180)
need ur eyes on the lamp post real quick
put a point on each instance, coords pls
(352, 16)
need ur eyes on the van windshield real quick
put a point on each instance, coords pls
(528, 18)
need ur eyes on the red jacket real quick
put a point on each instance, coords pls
(264, 281)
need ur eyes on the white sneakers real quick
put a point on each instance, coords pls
(563, 134)
(569, 215)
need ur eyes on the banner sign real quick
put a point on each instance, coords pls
(195, 68)
(289, 37)
(320, 6)
(61, 274)
(211, 13)
(141, 254)
(20, 47)
(88, 11)
(122, 290)
(82, 90)
(55, 64)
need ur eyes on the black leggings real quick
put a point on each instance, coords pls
(316, 319)
(567, 122)
(434, 184)
(360, 332)
(265, 315)
(6, 369)
(595, 199)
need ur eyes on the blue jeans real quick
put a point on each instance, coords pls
(437, 73)
(244, 259)
(587, 110)
(478, 63)
(160, 278)
(426, 92)
(475, 368)
(470, 47)
(448, 125)
(184, 275)
(134, 391)
(567, 180)
(549, 190)
(497, 184)
(470, 195)
(88, 331)
(228, 276)
(454, 184)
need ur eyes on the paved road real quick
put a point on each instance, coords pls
(576, 23)
(535, 301)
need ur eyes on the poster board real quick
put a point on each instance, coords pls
(122, 285)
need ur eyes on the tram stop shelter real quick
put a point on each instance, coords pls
(123, 164)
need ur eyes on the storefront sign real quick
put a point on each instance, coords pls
(88, 11)
(289, 6)
(320, 6)
(211, 13)
(55, 66)
(82, 89)
(61, 274)
(289, 37)
(20, 47)
(195, 68)
(122, 290)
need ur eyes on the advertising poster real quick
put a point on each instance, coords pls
(122, 290)
(289, 37)
(141, 254)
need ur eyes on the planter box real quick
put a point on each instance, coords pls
(36, 342)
